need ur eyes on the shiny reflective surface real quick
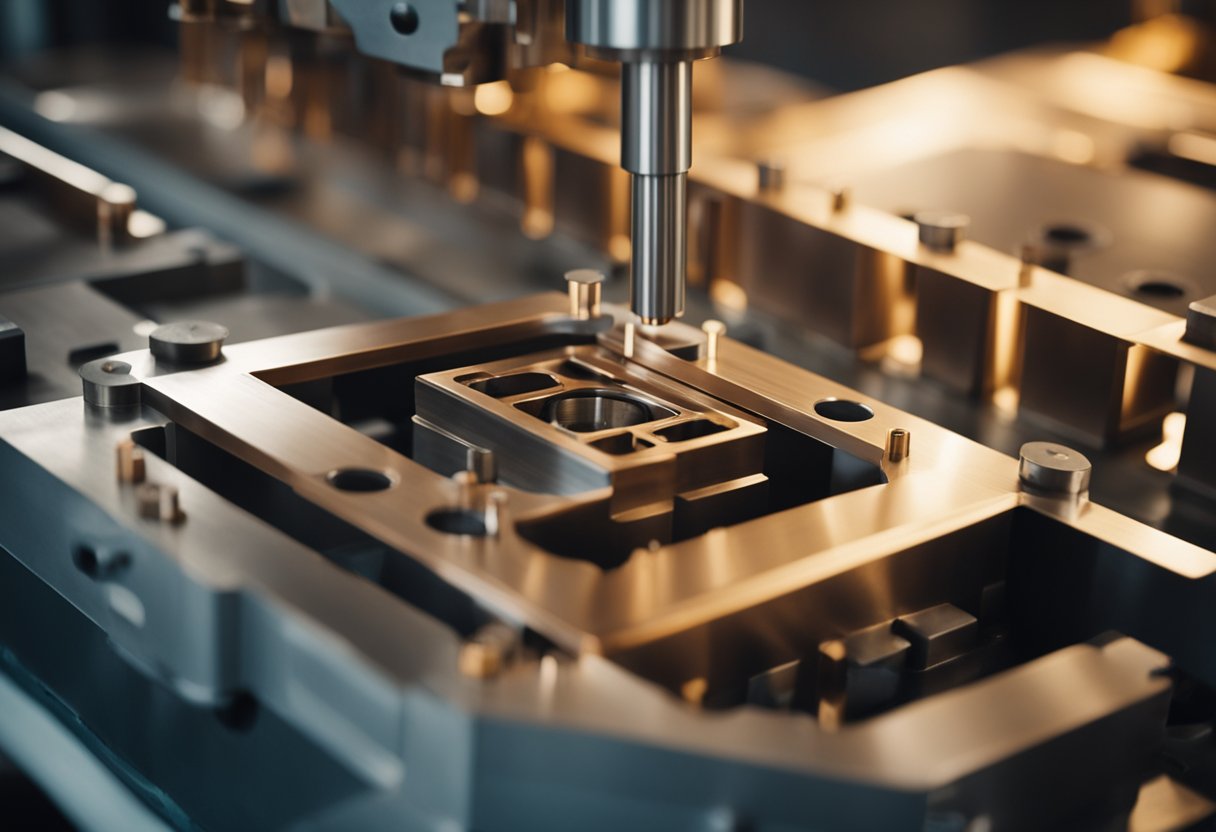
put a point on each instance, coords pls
(429, 543)
(702, 616)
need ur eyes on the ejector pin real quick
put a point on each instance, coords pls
(660, 246)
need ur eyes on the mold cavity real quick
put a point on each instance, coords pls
(620, 444)
(796, 469)
(587, 411)
(514, 385)
(694, 429)
(457, 521)
(359, 480)
(843, 410)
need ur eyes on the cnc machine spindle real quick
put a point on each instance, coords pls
(656, 42)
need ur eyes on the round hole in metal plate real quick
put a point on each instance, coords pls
(1070, 237)
(1067, 234)
(404, 18)
(843, 410)
(361, 480)
(1156, 284)
(458, 521)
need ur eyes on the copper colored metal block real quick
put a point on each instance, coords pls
(955, 323)
(1091, 384)
(824, 281)
(1197, 464)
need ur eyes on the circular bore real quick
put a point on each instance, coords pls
(588, 411)
(843, 410)
(1065, 234)
(1072, 235)
(1053, 468)
(404, 19)
(359, 480)
(1156, 285)
(458, 521)
(187, 342)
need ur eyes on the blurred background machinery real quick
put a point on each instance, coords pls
(907, 523)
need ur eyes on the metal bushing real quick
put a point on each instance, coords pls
(696, 27)
(188, 343)
(109, 383)
(1051, 468)
(586, 291)
(115, 205)
(714, 331)
(899, 444)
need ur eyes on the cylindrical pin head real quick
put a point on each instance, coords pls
(1053, 469)
(586, 292)
(770, 175)
(482, 463)
(109, 383)
(1030, 256)
(631, 336)
(899, 444)
(941, 230)
(115, 204)
(842, 198)
(188, 343)
(713, 330)
(494, 514)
